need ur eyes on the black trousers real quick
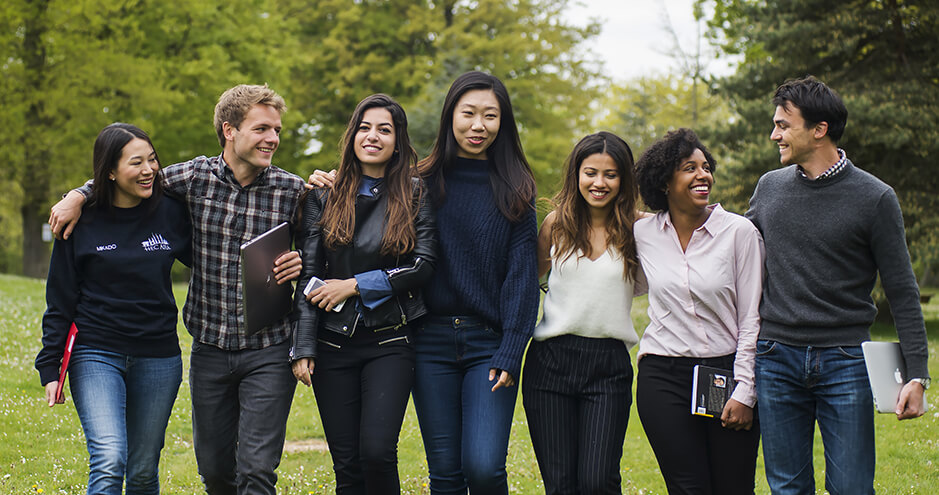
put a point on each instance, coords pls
(577, 394)
(696, 454)
(362, 386)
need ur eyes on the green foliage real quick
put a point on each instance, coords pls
(412, 50)
(72, 67)
(881, 56)
(643, 110)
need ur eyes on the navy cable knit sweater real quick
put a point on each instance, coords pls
(486, 264)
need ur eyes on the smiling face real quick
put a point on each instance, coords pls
(599, 181)
(796, 141)
(476, 121)
(375, 141)
(690, 185)
(252, 144)
(134, 174)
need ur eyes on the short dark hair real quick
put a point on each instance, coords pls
(109, 145)
(659, 162)
(816, 101)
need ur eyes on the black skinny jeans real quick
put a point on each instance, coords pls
(362, 384)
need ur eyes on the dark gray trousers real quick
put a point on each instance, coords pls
(240, 403)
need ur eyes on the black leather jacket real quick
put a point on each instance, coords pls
(407, 273)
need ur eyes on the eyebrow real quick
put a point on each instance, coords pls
(490, 107)
(380, 123)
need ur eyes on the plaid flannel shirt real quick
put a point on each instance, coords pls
(225, 215)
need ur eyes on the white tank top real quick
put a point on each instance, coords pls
(588, 298)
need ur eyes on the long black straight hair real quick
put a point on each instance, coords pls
(513, 185)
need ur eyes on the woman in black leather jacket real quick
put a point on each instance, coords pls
(372, 239)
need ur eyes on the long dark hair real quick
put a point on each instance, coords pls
(572, 214)
(109, 145)
(339, 212)
(513, 185)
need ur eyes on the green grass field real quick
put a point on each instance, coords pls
(42, 450)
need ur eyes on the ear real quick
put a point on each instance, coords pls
(820, 130)
(228, 131)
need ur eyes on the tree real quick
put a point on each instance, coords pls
(882, 56)
(72, 67)
(413, 49)
(643, 110)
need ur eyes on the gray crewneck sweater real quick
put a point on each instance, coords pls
(825, 242)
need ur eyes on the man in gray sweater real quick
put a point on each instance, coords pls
(829, 228)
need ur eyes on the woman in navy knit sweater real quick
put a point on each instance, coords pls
(112, 279)
(483, 297)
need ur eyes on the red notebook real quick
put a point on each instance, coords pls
(69, 342)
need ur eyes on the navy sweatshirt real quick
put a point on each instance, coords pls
(112, 278)
(486, 264)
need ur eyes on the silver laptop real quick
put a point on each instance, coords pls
(886, 371)
(265, 302)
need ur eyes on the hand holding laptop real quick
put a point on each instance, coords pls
(891, 388)
(912, 401)
(287, 267)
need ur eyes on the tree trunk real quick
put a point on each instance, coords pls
(37, 156)
(35, 251)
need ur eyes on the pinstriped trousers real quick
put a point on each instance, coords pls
(576, 393)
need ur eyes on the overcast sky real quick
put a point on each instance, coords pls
(634, 41)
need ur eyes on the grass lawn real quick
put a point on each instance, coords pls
(42, 450)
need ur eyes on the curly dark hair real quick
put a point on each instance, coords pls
(659, 162)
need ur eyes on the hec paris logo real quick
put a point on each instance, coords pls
(156, 242)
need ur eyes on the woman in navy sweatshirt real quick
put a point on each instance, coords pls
(111, 278)
(483, 297)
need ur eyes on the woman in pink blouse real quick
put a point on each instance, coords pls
(704, 268)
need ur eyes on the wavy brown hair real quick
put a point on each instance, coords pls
(572, 213)
(339, 211)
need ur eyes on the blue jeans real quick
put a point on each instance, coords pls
(465, 426)
(240, 403)
(124, 403)
(797, 386)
